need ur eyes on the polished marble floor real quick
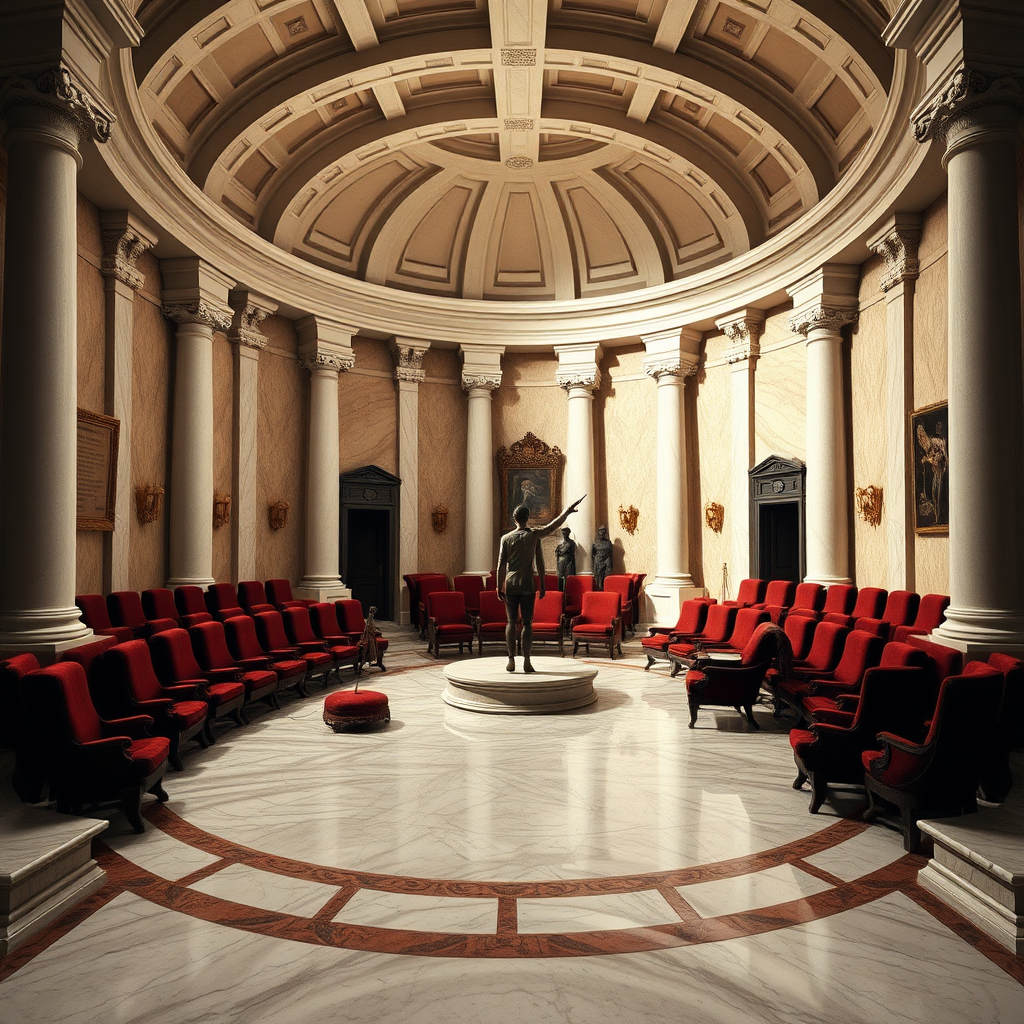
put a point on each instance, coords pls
(604, 864)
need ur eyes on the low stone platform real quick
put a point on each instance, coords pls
(483, 685)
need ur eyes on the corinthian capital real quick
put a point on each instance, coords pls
(677, 366)
(324, 358)
(490, 381)
(744, 330)
(588, 379)
(199, 313)
(966, 91)
(408, 356)
(124, 241)
(250, 311)
(59, 91)
(898, 245)
(827, 318)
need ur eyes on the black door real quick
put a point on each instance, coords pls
(367, 570)
(780, 541)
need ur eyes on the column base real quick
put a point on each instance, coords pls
(46, 867)
(978, 866)
(43, 630)
(321, 590)
(978, 632)
(664, 597)
(46, 653)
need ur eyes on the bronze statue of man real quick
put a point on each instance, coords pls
(519, 549)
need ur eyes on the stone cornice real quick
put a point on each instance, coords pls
(122, 246)
(827, 318)
(58, 90)
(966, 90)
(199, 313)
(898, 247)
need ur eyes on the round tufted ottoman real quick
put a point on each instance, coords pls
(359, 707)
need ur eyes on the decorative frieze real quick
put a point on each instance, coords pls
(122, 247)
(967, 90)
(57, 90)
(518, 57)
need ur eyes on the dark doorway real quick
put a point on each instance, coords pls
(779, 557)
(368, 569)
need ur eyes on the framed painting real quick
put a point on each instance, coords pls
(930, 442)
(97, 470)
(530, 473)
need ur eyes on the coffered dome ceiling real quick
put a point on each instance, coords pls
(515, 149)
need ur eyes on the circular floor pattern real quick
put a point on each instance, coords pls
(485, 685)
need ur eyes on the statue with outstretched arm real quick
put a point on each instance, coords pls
(519, 550)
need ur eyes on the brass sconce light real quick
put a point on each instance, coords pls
(714, 516)
(628, 518)
(440, 518)
(869, 504)
(277, 512)
(149, 500)
(221, 510)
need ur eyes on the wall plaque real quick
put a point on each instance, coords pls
(97, 470)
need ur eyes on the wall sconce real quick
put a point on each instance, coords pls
(440, 518)
(869, 504)
(277, 512)
(221, 510)
(149, 500)
(714, 516)
(628, 518)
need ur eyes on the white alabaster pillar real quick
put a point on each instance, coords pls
(325, 349)
(408, 356)
(38, 460)
(481, 374)
(124, 241)
(824, 303)
(195, 298)
(897, 243)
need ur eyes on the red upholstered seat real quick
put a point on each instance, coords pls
(900, 609)
(359, 707)
(548, 619)
(175, 664)
(95, 615)
(622, 585)
(575, 588)
(270, 633)
(90, 760)
(808, 599)
(778, 598)
(931, 613)
(125, 609)
(279, 594)
(826, 650)
(692, 617)
(222, 602)
(244, 644)
(191, 606)
(870, 604)
(209, 642)
(253, 597)
(470, 585)
(158, 603)
(178, 712)
(18, 730)
(749, 593)
(108, 704)
(430, 583)
(839, 599)
(299, 628)
(598, 622)
(350, 617)
(860, 652)
(490, 621)
(447, 621)
(324, 617)
(717, 627)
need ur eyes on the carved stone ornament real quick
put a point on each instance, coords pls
(325, 359)
(899, 250)
(968, 89)
(245, 326)
(672, 366)
(199, 313)
(277, 514)
(714, 516)
(869, 504)
(628, 518)
(518, 57)
(121, 249)
(58, 89)
(408, 362)
(822, 318)
(589, 379)
(478, 380)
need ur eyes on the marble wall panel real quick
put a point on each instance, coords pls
(780, 386)
(368, 410)
(150, 445)
(713, 441)
(223, 448)
(281, 451)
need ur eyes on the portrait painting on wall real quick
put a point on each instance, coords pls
(530, 475)
(931, 463)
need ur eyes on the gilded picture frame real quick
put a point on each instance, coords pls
(530, 473)
(930, 445)
(98, 438)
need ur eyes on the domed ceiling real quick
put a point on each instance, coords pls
(517, 149)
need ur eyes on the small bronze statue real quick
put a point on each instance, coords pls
(601, 554)
(565, 558)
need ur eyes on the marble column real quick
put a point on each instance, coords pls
(408, 357)
(824, 302)
(325, 349)
(580, 376)
(897, 244)
(47, 120)
(672, 358)
(481, 374)
(196, 299)
(250, 310)
(978, 118)
(743, 329)
(124, 241)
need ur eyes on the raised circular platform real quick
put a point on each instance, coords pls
(483, 685)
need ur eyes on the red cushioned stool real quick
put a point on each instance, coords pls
(355, 707)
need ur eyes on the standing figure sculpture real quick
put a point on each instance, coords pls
(601, 555)
(565, 558)
(519, 550)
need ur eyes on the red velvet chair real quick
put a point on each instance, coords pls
(809, 599)
(892, 699)
(837, 600)
(273, 638)
(491, 621)
(636, 586)
(717, 628)
(175, 664)
(800, 630)
(942, 661)
(109, 702)
(470, 586)
(996, 778)
(245, 646)
(778, 599)
(744, 622)
(91, 760)
(549, 620)
(125, 609)
(599, 622)
(622, 585)
(253, 597)
(931, 613)
(95, 615)
(350, 617)
(750, 593)
(222, 602)
(900, 609)
(178, 712)
(876, 627)
(870, 604)
(447, 621)
(826, 650)
(861, 652)
(279, 594)
(575, 588)
(210, 645)
(19, 732)
(324, 617)
(692, 617)
(734, 684)
(432, 583)
(299, 627)
(939, 777)
(158, 603)
(191, 605)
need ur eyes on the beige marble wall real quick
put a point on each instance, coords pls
(780, 385)
(152, 376)
(368, 410)
(223, 448)
(442, 459)
(713, 443)
(281, 451)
